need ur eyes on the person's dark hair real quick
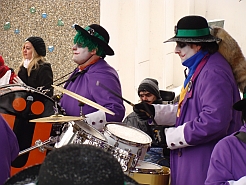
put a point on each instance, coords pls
(210, 47)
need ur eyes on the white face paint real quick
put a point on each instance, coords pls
(80, 54)
(185, 50)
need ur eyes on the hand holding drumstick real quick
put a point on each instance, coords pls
(143, 110)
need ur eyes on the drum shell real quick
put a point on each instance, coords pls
(135, 147)
(86, 135)
(147, 177)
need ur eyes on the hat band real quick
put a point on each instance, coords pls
(193, 33)
(92, 32)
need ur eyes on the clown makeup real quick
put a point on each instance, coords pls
(186, 50)
(81, 54)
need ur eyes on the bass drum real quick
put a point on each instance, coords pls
(19, 104)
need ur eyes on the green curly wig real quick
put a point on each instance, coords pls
(85, 41)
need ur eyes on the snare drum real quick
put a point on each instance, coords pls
(19, 104)
(79, 132)
(127, 138)
(150, 173)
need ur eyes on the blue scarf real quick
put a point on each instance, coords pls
(192, 63)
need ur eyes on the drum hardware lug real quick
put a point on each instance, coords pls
(76, 128)
(116, 144)
(40, 148)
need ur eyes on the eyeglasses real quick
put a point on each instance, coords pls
(181, 44)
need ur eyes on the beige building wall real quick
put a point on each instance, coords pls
(139, 27)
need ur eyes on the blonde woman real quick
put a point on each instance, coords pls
(34, 71)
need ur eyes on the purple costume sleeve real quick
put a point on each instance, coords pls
(9, 149)
(227, 162)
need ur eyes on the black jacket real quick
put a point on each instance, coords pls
(42, 76)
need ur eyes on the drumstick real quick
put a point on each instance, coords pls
(130, 103)
(114, 93)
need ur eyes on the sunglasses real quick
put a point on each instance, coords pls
(181, 44)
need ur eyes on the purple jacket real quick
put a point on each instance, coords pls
(209, 117)
(9, 149)
(228, 161)
(85, 85)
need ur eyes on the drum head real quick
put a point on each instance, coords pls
(25, 176)
(148, 168)
(128, 133)
(90, 130)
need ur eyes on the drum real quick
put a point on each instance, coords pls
(150, 173)
(128, 138)
(19, 104)
(79, 132)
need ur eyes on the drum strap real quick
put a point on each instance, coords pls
(72, 78)
(241, 136)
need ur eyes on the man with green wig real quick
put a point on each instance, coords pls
(89, 50)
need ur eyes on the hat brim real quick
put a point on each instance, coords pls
(107, 49)
(208, 38)
(240, 105)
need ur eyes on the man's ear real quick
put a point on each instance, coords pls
(94, 51)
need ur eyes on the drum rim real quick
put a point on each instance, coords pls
(105, 139)
(26, 87)
(148, 171)
(112, 135)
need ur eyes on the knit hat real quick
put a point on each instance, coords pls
(192, 28)
(150, 85)
(98, 34)
(80, 164)
(38, 44)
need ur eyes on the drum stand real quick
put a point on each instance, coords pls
(76, 128)
(41, 145)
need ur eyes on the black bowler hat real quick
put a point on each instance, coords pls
(98, 34)
(38, 44)
(192, 28)
(240, 105)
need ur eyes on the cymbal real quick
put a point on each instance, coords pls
(83, 100)
(56, 119)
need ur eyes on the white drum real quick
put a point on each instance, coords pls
(127, 138)
(150, 173)
(79, 132)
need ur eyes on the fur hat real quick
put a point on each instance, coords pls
(232, 52)
(99, 35)
(192, 28)
(38, 44)
(150, 85)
